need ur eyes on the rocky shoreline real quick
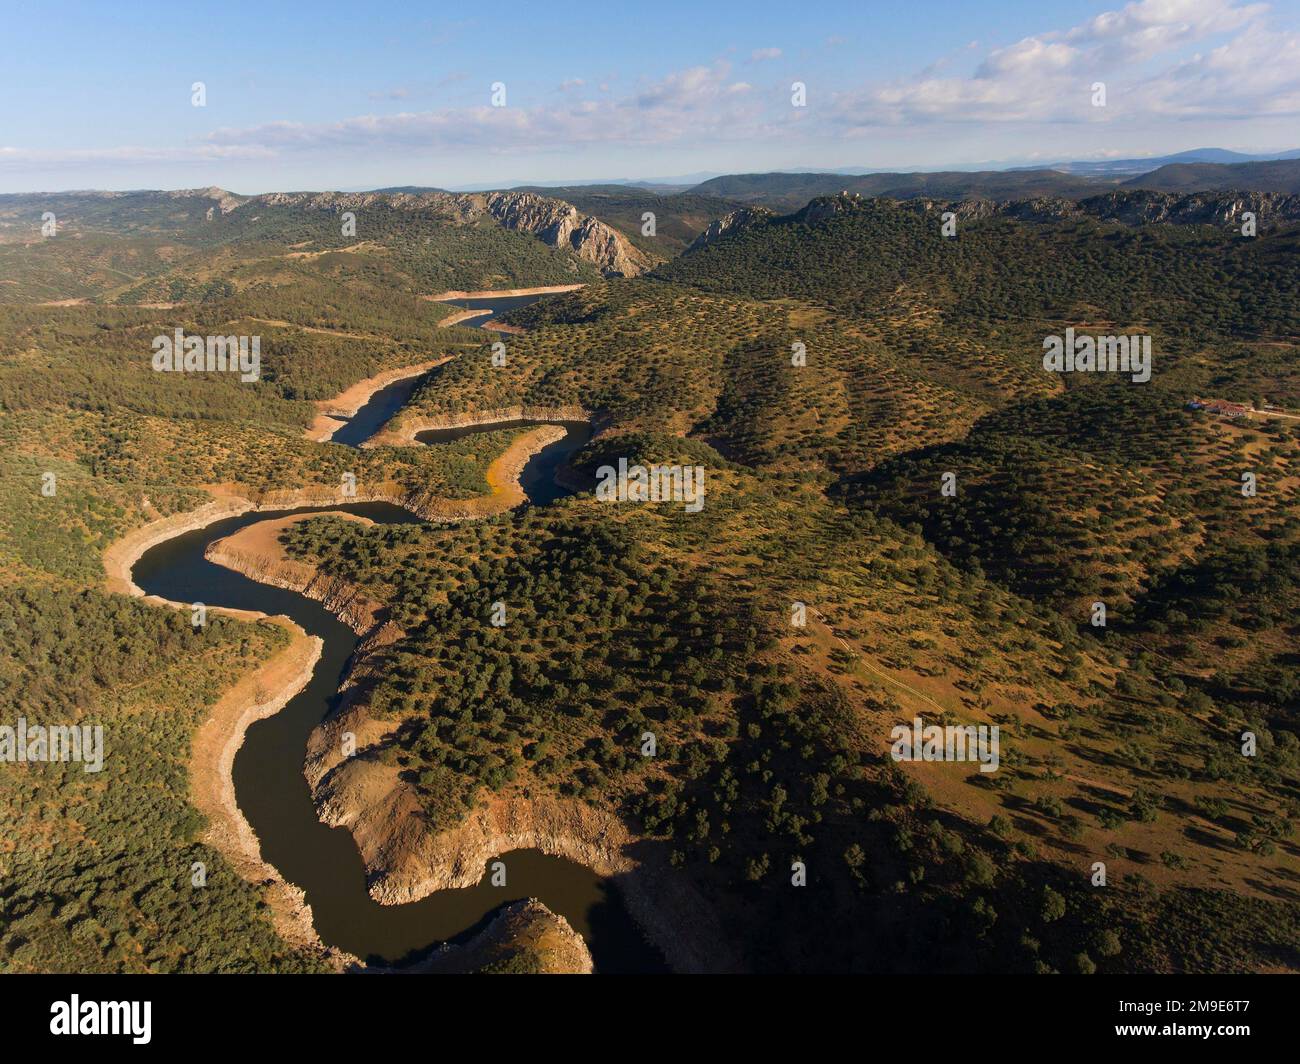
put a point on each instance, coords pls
(526, 929)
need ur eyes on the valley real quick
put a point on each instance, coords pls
(386, 487)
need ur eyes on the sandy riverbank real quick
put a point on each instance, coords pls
(462, 315)
(503, 293)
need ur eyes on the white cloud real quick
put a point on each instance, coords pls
(758, 55)
(1137, 50)
(697, 103)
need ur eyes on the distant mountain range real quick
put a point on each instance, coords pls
(1129, 167)
(1282, 175)
(786, 192)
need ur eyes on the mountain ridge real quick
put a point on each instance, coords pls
(554, 222)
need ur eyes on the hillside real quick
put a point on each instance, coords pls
(1280, 175)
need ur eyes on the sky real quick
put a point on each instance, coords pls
(348, 96)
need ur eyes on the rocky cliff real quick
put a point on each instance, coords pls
(561, 225)
(731, 223)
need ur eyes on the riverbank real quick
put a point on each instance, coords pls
(256, 552)
(404, 860)
(403, 429)
(546, 941)
(503, 293)
(262, 693)
(120, 557)
(332, 414)
(462, 315)
(217, 740)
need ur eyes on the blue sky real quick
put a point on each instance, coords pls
(331, 95)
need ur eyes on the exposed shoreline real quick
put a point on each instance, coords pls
(504, 293)
(402, 430)
(218, 738)
(462, 315)
(332, 414)
(405, 860)
(213, 747)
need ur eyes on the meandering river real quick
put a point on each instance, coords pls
(272, 790)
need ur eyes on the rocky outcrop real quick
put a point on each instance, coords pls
(1137, 207)
(525, 938)
(824, 207)
(562, 225)
(817, 210)
(552, 221)
(1126, 206)
(1197, 208)
(731, 223)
